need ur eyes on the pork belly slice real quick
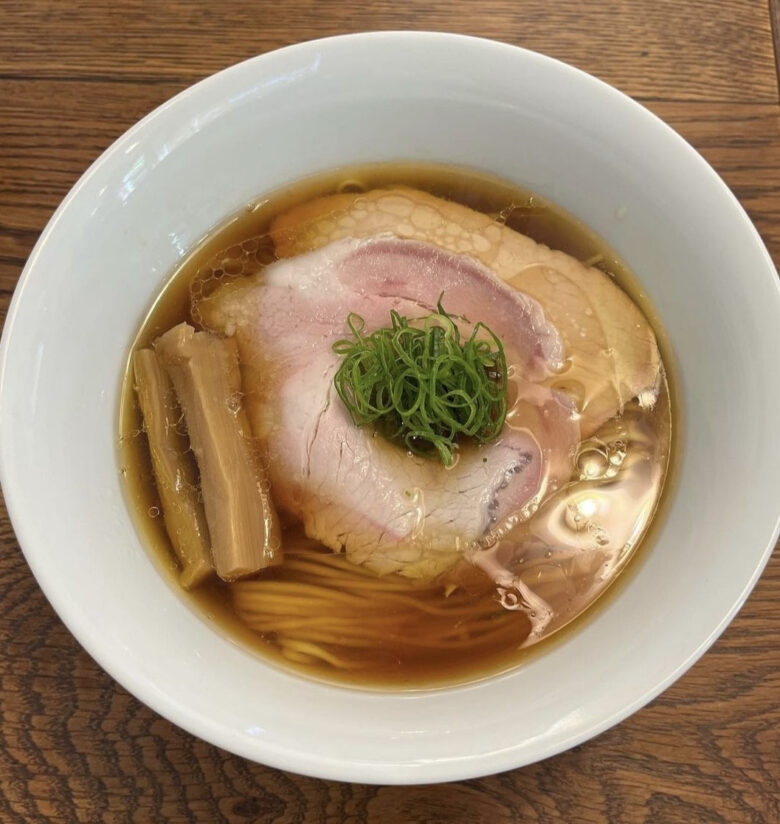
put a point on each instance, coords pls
(611, 349)
(242, 521)
(353, 490)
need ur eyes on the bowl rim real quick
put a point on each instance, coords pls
(340, 768)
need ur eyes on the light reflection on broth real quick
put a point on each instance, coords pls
(331, 619)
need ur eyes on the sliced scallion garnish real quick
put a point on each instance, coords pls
(422, 386)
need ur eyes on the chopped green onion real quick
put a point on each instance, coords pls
(420, 385)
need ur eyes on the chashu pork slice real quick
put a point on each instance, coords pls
(352, 489)
(612, 353)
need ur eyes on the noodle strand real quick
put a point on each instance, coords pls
(319, 609)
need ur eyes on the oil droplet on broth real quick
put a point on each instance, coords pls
(352, 186)
(592, 463)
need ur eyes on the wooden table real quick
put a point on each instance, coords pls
(74, 746)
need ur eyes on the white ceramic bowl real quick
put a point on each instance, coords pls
(157, 190)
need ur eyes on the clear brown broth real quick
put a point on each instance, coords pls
(221, 253)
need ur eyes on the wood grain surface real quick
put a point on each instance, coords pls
(74, 746)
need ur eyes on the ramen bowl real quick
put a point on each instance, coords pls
(420, 97)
